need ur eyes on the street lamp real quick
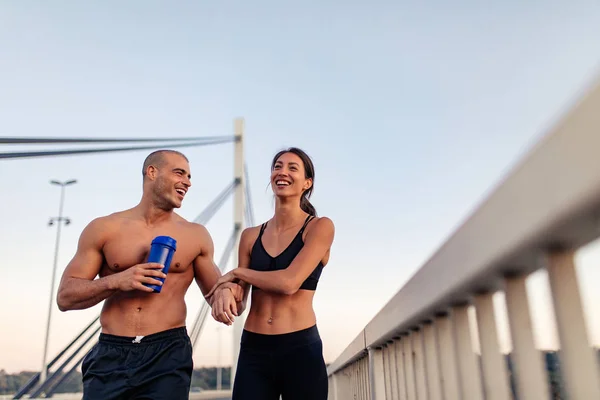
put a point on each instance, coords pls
(58, 220)
(219, 369)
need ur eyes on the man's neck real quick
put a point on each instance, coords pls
(151, 213)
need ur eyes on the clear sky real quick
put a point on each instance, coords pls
(411, 112)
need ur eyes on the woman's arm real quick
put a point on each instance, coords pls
(240, 289)
(318, 241)
(244, 263)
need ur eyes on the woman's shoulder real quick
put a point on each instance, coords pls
(319, 226)
(250, 234)
(323, 221)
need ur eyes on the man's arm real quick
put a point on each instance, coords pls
(79, 290)
(206, 274)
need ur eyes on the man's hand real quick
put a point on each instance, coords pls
(134, 277)
(224, 307)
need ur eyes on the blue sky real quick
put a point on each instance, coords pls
(410, 112)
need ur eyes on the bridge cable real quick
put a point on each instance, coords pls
(249, 207)
(48, 153)
(216, 204)
(247, 216)
(47, 382)
(45, 140)
(36, 377)
(64, 377)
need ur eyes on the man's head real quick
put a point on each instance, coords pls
(166, 175)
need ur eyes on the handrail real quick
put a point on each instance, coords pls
(549, 201)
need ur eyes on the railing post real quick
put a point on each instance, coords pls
(358, 372)
(354, 379)
(409, 368)
(387, 370)
(401, 369)
(432, 361)
(578, 362)
(342, 385)
(448, 360)
(376, 374)
(364, 389)
(470, 376)
(528, 369)
(332, 391)
(495, 376)
(420, 372)
(394, 366)
(359, 379)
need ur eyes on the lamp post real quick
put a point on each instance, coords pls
(59, 220)
(219, 369)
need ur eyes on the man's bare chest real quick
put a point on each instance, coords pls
(132, 246)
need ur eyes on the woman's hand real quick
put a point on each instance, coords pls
(228, 277)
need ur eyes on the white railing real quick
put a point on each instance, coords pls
(419, 346)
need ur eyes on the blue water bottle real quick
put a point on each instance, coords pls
(161, 251)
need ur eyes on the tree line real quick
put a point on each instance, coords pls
(202, 379)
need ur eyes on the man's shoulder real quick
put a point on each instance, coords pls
(191, 225)
(195, 235)
(100, 229)
(192, 229)
(112, 218)
(109, 222)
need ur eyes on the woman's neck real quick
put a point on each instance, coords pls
(287, 214)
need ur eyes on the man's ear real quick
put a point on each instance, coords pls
(151, 172)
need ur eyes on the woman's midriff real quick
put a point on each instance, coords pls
(274, 314)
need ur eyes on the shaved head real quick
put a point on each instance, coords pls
(157, 159)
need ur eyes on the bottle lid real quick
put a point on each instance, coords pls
(165, 241)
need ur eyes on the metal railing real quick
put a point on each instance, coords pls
(419, 346)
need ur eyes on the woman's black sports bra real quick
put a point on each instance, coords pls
(260, 260)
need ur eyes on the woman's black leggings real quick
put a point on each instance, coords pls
(290, 365)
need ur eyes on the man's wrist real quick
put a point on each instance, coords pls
(110, 282)
(219, 289)
(223, 287)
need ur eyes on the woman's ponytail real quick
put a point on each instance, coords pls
(307, 206)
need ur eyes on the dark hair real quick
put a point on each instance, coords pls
(309, 173)
(157, 159)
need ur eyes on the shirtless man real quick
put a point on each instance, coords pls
(144, 350)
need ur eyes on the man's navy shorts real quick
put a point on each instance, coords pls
(157, 366)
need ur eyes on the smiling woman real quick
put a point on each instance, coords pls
(290, 156)
(282, 260)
